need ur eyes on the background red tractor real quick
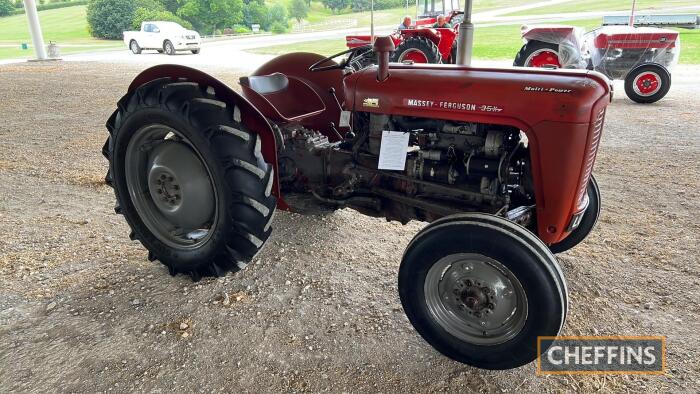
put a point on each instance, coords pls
(499, 161)
(421, 43)
(641, 56)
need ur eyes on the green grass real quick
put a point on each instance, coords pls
(690, 46)
(63, 26)
(606, 5)
(490, 43)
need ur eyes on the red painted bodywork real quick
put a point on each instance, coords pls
(626, 37)
(536, 32)
(559, 126)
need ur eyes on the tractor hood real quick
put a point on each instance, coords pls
(505, 96)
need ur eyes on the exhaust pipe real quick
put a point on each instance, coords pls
(465, 40)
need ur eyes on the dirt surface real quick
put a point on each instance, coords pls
(82, 309)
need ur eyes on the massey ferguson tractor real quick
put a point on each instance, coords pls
(641, 56)
(421, 42)
(498, 161)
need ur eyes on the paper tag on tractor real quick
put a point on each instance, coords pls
(393, 150)
(344, 119)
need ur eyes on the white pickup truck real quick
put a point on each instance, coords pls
(168, 37)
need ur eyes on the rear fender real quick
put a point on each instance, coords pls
(553, 34)
(250, 116)
(422, 32)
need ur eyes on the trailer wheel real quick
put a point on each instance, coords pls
(135, 48)
(588, 221)
(418, 50)
(190, 181)
(647, 83)
(168, 48)
(538, 54)
(481, 289)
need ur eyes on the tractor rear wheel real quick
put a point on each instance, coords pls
(189, 178)
(647, 83)
(588, 221)
(538, 54)
(481, 289)
(418, 50)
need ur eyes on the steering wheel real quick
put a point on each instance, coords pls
(363, 50)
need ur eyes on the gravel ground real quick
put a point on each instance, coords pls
(82, 310)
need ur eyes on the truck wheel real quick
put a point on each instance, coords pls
(190, 181)
(168, 47)
(647, 83)
(135, 48)
(196, 51)
(481, 289)
(418, 50)
(588, 221)
(538, 54)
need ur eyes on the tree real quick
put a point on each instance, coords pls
(212, 14)
(298, 10)
(335, 5)
(145, 14)
(110, 18)
(6, 7)
(360, 5)
(278, 15)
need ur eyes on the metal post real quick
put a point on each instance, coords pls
(371, 22)
(634, 3)
(465, 41)
(35, 28)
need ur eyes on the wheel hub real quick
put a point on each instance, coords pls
(647, 84)
(179, 185)
(475, 298)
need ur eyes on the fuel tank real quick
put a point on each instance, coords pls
(560, 111)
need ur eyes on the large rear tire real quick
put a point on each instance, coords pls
(481, 289)
(538, 54)
(588, 221)
(418, 50)
(189, 179)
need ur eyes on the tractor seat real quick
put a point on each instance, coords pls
(266, 84)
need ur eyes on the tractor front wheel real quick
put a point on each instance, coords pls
(538, 54)
(189, 178)
(647, 83)
(417, 50)
(481, 289)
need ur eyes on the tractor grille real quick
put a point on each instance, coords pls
(591, 150)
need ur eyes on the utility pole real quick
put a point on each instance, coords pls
(35, 28)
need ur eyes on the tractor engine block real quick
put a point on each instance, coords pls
(450, 167)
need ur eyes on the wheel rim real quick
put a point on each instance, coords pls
(414, 55)
(169, 48)
(543, 58)
(134, 47)
(647, 83)
(170, 187)
(475, 298)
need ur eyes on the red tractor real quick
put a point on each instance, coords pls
(641, 56)
(420, 43)
(498, 161)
